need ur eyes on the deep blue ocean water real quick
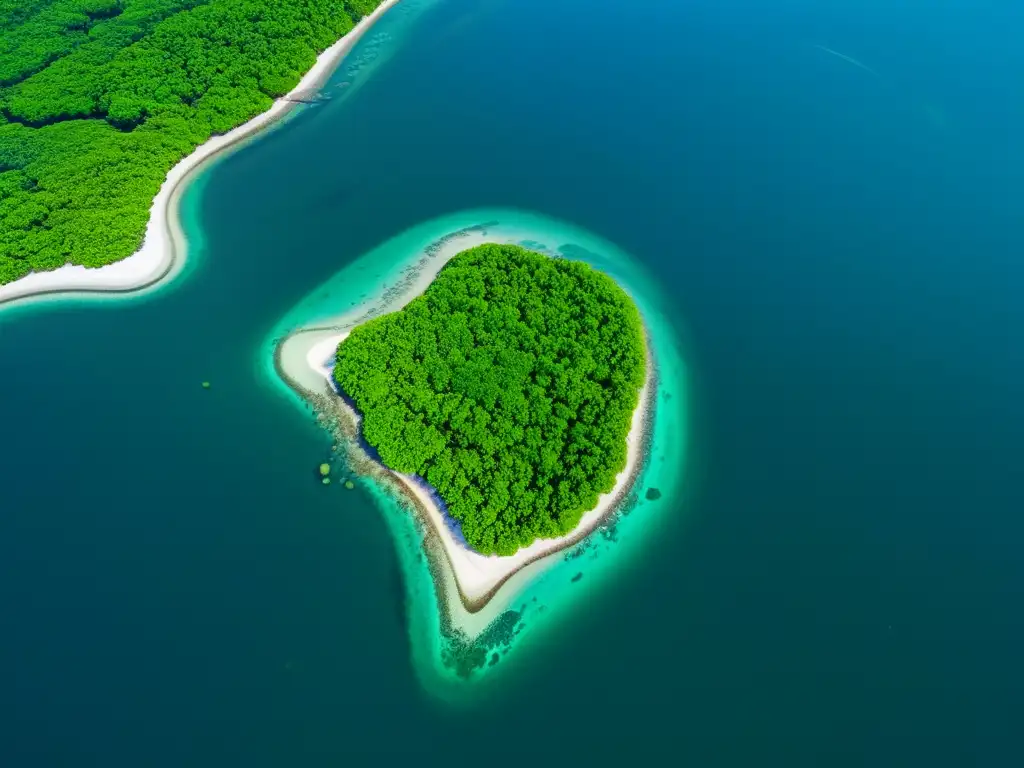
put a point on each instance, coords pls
(841, 248)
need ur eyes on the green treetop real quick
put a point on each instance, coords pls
(509, 386)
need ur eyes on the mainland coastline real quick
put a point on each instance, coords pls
(164, 248)
(473, 590)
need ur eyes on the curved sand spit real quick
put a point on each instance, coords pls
(162, 254)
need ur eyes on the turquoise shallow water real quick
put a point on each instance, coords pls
(446, 667)
(836, 254)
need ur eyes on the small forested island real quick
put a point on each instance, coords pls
(99, 99)
(509, 386)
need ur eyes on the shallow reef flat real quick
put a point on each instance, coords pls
(467, 611)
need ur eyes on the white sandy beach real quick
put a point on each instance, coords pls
(477, 588)
(163, 250)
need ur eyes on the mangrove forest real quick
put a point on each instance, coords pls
(509, 385)
(99, 99)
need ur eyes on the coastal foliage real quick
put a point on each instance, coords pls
(509, 386)
(99, 99)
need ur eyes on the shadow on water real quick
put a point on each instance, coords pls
(454, 526)
(398, 595)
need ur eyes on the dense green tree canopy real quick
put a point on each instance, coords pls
(100, 98)
(509, 385)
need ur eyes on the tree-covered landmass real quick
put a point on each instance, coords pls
(509, 386)
(99, 99)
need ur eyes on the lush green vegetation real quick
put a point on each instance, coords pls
(509, 385)
(100, 98)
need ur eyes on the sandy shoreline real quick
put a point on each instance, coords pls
(164, 247)
(474, 588)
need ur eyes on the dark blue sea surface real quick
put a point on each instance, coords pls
(829, 193)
